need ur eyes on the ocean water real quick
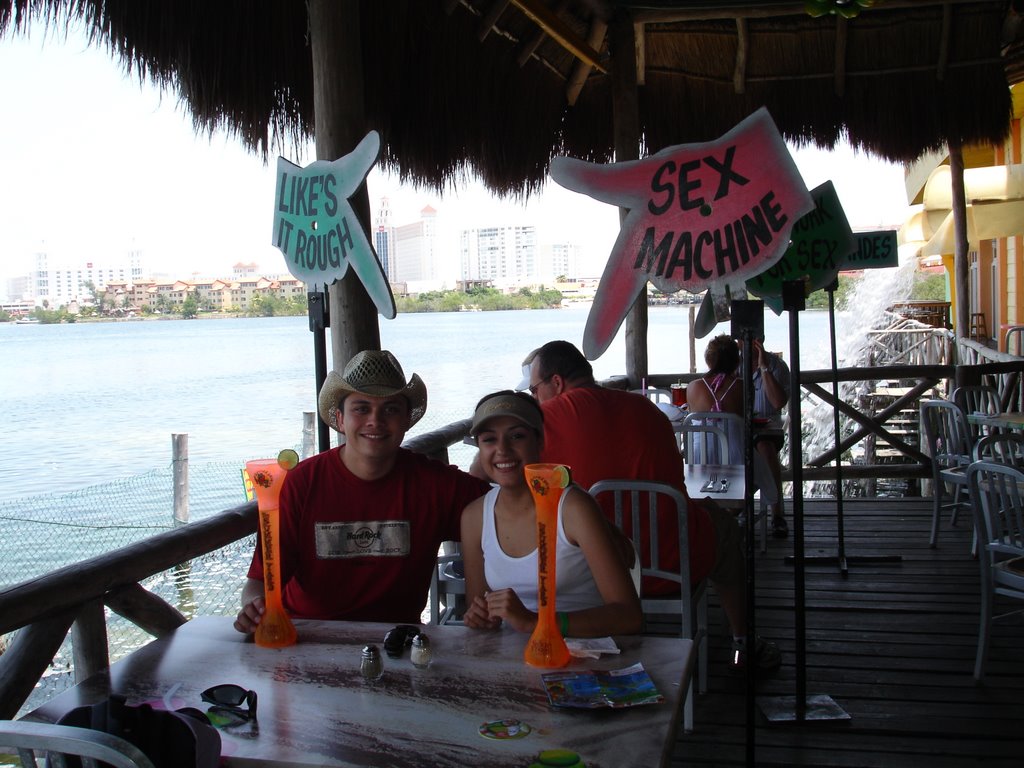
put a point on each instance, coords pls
(91, 403)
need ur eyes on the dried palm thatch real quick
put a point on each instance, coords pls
(461, 87)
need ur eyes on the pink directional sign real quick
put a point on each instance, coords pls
(701, 216)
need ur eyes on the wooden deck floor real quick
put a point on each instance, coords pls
(892, 644)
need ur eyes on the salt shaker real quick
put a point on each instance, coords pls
(421, 655)
(370, 664)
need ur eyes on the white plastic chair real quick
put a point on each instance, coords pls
(949, 446)
(637, 501)
(59, 741)
(698, 449)
(655, 394)
(999, 525)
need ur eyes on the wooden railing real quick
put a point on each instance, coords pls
(982, 365)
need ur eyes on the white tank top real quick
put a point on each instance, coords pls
(576, 589)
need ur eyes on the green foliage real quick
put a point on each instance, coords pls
(819, 299)
(268, 305)
(52, 316)
(484, 299)
(190, 306)
(929, 286)
(5, 317)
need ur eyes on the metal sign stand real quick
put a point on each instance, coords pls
(801, 707)
(319, 322)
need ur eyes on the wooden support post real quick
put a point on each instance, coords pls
(626, 120)
(179, 464)
(89, 640)
(960, 265)
(340, 115)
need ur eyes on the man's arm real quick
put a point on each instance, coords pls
(775, 391)
(252, 607)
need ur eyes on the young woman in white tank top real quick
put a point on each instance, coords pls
(595, 594)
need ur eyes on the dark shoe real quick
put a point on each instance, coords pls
(780, 528)
(767, 656)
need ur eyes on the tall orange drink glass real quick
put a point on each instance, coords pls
(275, 629)
(547, 482)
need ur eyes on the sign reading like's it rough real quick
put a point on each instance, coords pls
(317, 230)
(701, 216)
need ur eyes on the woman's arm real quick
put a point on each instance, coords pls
(585, 526)
(476, 615)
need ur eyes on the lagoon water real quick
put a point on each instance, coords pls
(89, 403)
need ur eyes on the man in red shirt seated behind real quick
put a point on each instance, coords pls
(607, 434)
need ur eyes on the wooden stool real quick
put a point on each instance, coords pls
(978, 331)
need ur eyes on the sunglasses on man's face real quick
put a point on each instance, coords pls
(230, 698)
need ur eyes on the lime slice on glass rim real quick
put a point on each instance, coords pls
(287, 459)
(560, 476)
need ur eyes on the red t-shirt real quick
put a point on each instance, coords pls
(365, 551)
(606, 434)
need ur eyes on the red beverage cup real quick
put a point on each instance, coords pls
(678, 394)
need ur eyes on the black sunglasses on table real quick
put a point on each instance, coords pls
(230, 698)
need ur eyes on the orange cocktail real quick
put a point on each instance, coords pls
(546, 647)
(275, 629)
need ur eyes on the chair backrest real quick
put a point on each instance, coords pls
(946, 435)
(996, 490)
(703, 443)
(655, 394)
(93, 747)
(731, 424)
(978, 398)
(1002, 448)
(636, 505)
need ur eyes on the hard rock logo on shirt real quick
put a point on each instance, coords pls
(372, 538)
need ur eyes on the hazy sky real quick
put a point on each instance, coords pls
(97, 165)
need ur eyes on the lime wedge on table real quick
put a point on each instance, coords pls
(561, 477)
(287, 458)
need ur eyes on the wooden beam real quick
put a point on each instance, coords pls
(89, 640)
(640, 36)
(561, 32)
(840, 58)
(490, 18)
(529, 46)
(739, 73)
(581, 71)
(716, 11)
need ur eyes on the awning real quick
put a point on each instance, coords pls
(995, 209)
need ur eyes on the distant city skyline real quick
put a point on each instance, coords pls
(104, 167)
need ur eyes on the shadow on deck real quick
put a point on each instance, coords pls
(893, 644)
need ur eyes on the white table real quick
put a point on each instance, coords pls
(697, 476)
(315, 709)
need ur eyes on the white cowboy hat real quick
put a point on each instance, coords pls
(376, 373)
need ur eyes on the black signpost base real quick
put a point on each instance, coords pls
(798, 708)
(783, 709)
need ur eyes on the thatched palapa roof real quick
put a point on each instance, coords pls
(497, 88)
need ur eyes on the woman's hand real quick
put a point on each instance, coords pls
(478, 617)
(505, 604)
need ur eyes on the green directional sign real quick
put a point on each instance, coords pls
(820, 245)
(874, 250)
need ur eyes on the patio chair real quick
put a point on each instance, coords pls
(1002, 447)
(999, 524)
(948, 443)
(655, 394)
(637, 502)
(448, 587)
(55, 742)
(696, 445)
(978, 399)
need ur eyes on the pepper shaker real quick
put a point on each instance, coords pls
(421, 655)
(371, 666)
